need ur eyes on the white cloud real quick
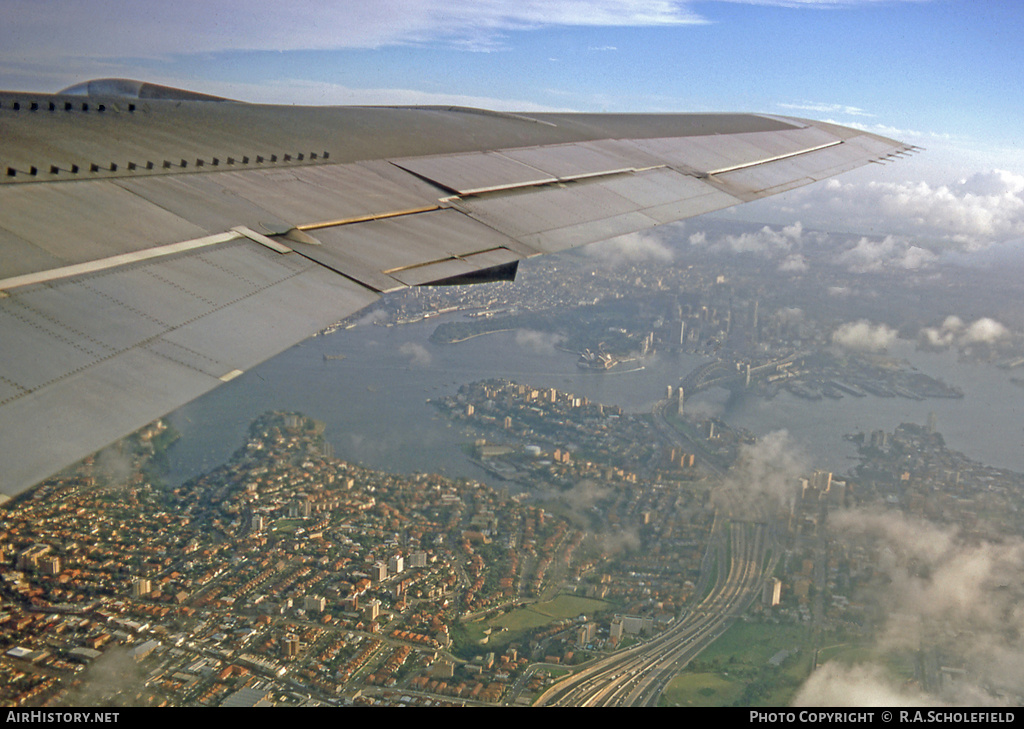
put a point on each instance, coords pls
(827, 108)
(873, 256)
(954, 332)
(539, 342)
(794, 263)
(418, 355)
(968, 214)
(867, 255)
(822, 4)
(934, 338)
(936, 586)
(985, 330)
(121, 28)
(768, 471)
(790, 315)
(766, 242)
(863, 336)
(644, 246)
(915, 257)
(994, 183)
(867, 685)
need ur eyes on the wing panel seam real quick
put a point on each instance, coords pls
(451, 257)
(368, 218)
(103, 264)
(776, 158)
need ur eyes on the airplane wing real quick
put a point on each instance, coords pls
(157, 242)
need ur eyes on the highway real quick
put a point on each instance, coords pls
(675, 438)
(637, 676)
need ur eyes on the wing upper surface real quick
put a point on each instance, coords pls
(156, 248)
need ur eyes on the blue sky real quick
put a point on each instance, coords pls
(942, 74)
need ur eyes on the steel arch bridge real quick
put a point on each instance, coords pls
(722, 373)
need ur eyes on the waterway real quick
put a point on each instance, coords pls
(374, 401)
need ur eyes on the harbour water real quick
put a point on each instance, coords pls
(374, 400)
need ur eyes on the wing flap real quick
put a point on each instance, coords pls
(528, 213)
(274, 200)
(461, 267)
(65, 326)
(556, 218)
(307, 195)
(71, 384)
(368, 251)
(665, 195)
(150, 295)
(574, 161)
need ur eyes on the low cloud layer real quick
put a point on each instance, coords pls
(113, 679)
(953, 332)
(765, 476)
(793, 263)
(863, 336)
(985, 331)
(861, 686)
(968, 214)
(941, 592)
(538, 342)
(797, 249)
(766, 242)
(631, 248)
(583, 501)
(892, 252)
(418, 355)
